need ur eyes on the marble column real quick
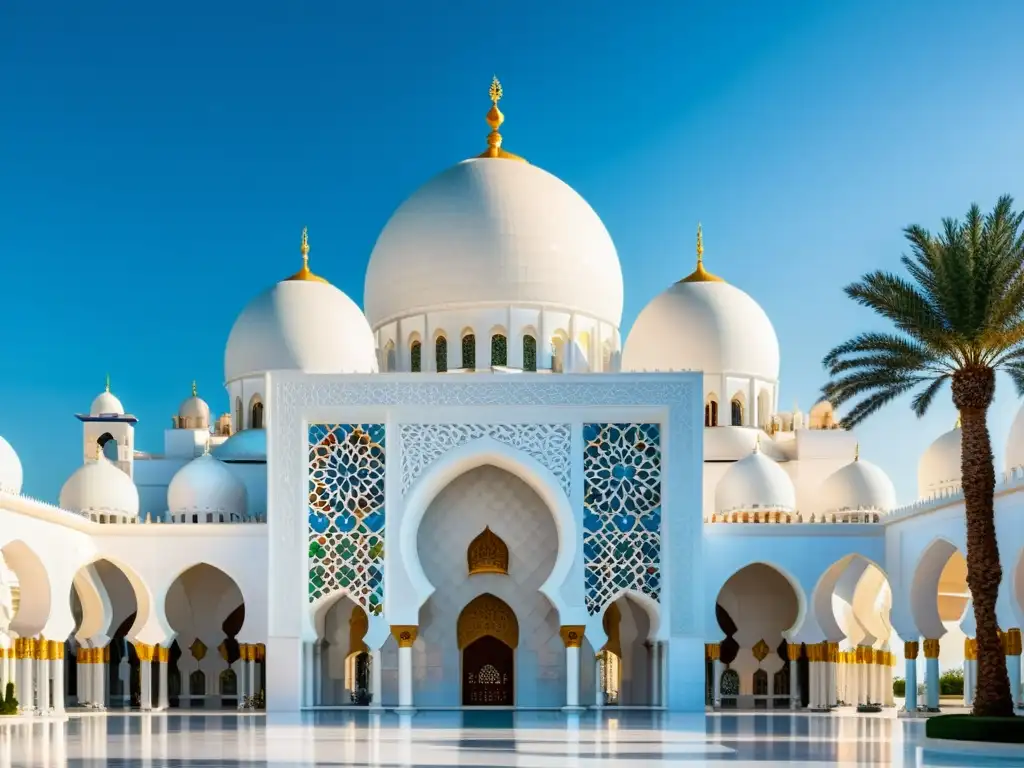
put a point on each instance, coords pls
(42, 674)
(253, 691)
(243, 674)
(572, 637)
(713, 652)
(831, 660)
(98, 668)
(598, 683)
(813, 669)
(405, 636)
(145, 654)
(1012, 649)
(376, 687)
(910, 649)
(793, 654)
(26, 689)
(163, 700)
(931, 674)
(655, 674)
(4, 672)
(970, 657)
(890, 662)
(57, 671)
(308, 673)
(82, 667)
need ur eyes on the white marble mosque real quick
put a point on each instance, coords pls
(472, 492)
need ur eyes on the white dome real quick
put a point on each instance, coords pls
(939, 470)
(494, 231)
(300, 324)
(106, 404)
(755, 482)
(703, 325)
(206, 485)
(194, 413)
(247, 445)
(858, 485)
(1015, 442)
(100, 487)
(10, 469)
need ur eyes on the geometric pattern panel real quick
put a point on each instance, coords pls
(621, 511)
(346, 512)
(423, 444)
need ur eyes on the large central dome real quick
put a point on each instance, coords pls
(494, 230)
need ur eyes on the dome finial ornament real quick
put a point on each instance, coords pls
(107, 387)
(856, 452)
(701, 275)
(305, 273)
(194, 393)
(495, 118)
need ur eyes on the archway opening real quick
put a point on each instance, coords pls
(939, 598)
(341, 658)
(205, 608)
(108, 446)
(755, 608)
(488, 633)
(626, 661)
(24, 590)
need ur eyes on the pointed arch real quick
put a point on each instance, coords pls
(487, 616)
(34, 597)
(924, 587)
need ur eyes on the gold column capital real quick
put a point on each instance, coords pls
(572, 635)
(1012, 642)
(163, 654)
(143, 651)
(931, 649)
(404, 634)
(793, 651)
(970, 649)
(261, 652)
(910, 649)
(713, 651)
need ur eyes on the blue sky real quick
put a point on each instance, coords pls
(157, 163)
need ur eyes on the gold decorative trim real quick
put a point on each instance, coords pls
(931, 649)
(494, 119)
(144, 651)
(487, 615)
(404, 634)
(910, 649)
(487, 553)
(713, 651)
(572, 635)
(163, 654)
(970, 649)
(760, 650)
(793, 651)
(1012, 642)
(261, 652)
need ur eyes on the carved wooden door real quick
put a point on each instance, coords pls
(487, 674)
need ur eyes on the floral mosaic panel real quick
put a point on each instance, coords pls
(621, 511)
(346, 512)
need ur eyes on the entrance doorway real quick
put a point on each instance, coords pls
(487, 675)
(488, 634)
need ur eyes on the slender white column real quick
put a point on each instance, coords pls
(43, 674)
(572, 637)
(405, 636)
(252, 672)
(910, 649)
(26, 690)
(656, 674)
(831, 654)
(163, 700)
(969, 653)
(598, 684)
(318, 671)
(308, 672)
(57, 670)
(931, 657)
(101, 658)
(243, 674)
(793, 653)
(717, 667)
(1012, 644)
(4, 668)
(376, 687)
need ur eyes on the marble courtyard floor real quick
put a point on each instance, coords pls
(477, 739)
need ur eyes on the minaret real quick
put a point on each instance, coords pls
(109, 430)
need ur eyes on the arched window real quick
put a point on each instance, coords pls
(737, 413)
(389, 357)
(238, 425)
(529, 353)
(416, 357)
(760, 683)
(108, 446)
(257, 415)
(499, 349)
(441, 354)
(711, 413)
(469, 351)
(197, 683)
(228, 683)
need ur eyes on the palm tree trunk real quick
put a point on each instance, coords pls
(973, 389)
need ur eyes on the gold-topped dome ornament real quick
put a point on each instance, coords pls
(487, 553)
(494, 119)
(701, 275)
(305, 273)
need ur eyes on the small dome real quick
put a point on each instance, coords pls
(1015, 442)
(938, 470)
(106, 404)
(858, 485)
(10, 469)
(494, 232)
(301, 324)
(703, 324)
(247, 445)
(100, 488)
(205, 485)
(194, 413)
(755, 482)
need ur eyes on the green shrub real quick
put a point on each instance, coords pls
(899, 687)
(951, 683)
(1000, 730)
(9, 702)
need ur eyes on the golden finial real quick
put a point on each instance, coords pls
(107, 388)
(494, 119)
(305, 273)
(193, 388)
(856, 452)
(701, 275)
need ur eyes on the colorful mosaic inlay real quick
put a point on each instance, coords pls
(346, 512)
(621, 511)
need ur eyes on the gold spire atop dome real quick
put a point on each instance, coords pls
(194, 388)
(856, 452)
(701, 275)
(494, 119)
(107, 387)
(305, 273)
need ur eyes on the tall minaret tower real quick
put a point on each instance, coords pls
(107, 429)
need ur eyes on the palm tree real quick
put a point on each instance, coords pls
(959, 318)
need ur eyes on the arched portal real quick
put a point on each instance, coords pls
(626, 662)
(206, 610)
(341, 660)
(483, 497)
(756, 607)
(488, 633)
(938, 592)
(26, 598)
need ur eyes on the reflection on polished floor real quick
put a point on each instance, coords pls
(494, 739)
